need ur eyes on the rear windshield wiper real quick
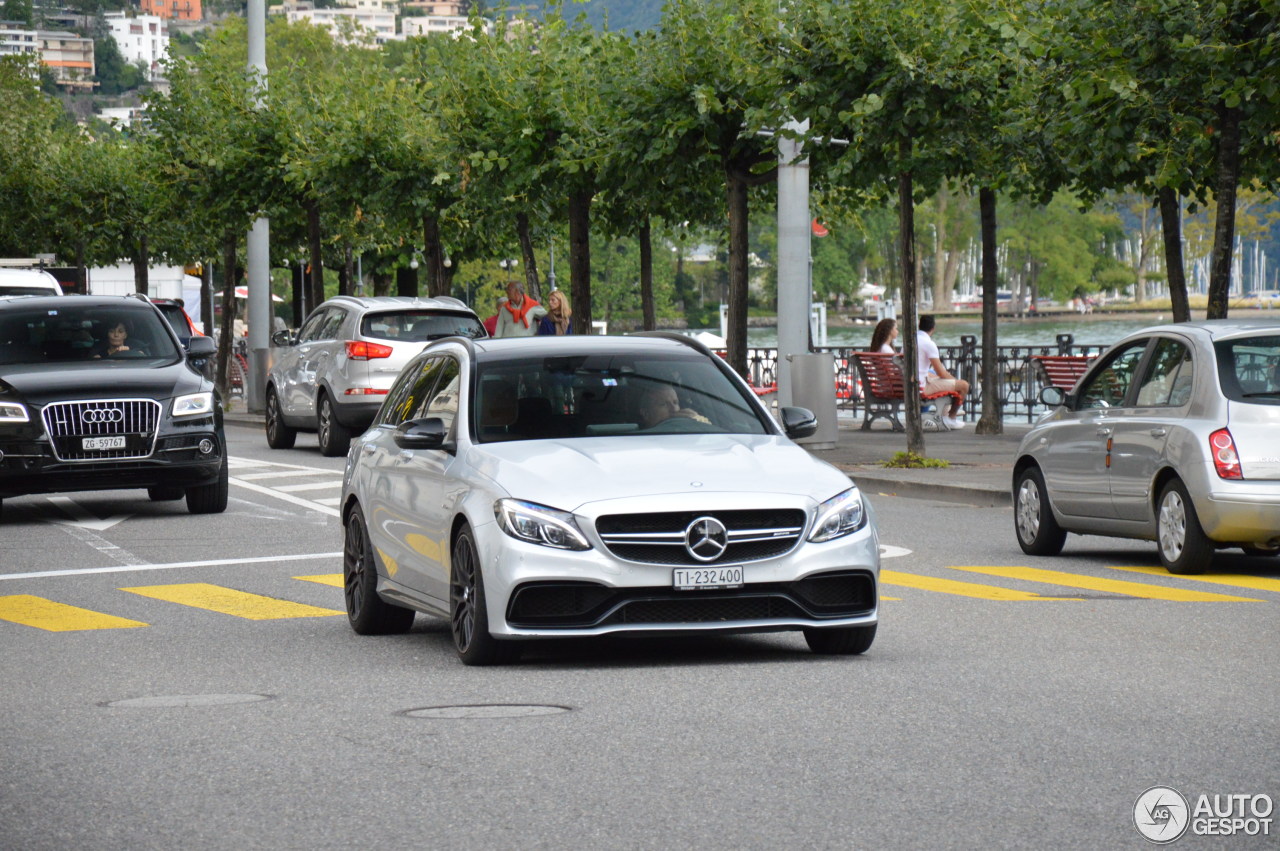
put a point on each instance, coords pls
(1275, 394)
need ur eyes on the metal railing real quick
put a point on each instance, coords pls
(1019, 382)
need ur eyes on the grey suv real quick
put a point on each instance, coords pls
(332, 375)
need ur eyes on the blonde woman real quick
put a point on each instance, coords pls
(558, 320)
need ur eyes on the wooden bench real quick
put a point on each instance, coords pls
(1062, 371)
(883, 389)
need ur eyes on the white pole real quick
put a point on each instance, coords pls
(259, 239)
(793, 258)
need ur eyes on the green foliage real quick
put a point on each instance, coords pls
(914, 461)
(113, 74)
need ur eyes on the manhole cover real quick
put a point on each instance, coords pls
(487, 710)
(166, 700)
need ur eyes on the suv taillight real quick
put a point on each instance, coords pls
(1225, 458)
(361, 350)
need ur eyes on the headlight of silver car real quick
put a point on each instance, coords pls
(196, 403)
(538, 524)
(12, 412)
(842, 514)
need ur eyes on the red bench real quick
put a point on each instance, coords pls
(883, 390)
(1062, 371)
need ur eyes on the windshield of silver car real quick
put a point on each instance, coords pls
(602, 395)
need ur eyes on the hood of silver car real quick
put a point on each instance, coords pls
(570, 473)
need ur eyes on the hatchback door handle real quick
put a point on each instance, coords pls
(1104, 432)
(1158, 432)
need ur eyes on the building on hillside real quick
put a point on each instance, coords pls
(181, 10)
(143, 38)
(341, 22)
(70, 57)
(123, 117)
(423, 25)
(16, 40)
(434, 8)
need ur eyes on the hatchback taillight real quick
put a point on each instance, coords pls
(1225, 458)
(361, 350)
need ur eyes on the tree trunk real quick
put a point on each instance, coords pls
(1224, 229)
(298, 282)
(649, 320)
(531, 284)
(206, 298)
(580, 260)
(406, 282)
(227, 327)
(736, 187)
(991, 421)
(433, 255)
(347, 274)
(317, 260)
(1171, 222)
(943, 260)
(907, 252)
(141, 261)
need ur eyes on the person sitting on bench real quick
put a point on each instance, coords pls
(934, 377)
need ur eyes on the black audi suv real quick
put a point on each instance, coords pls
(97, 393)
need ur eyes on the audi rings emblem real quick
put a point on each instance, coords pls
(706, 539)
(102, 415)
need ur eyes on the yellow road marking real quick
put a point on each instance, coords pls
(57, 617)
(1239, 580)
(1108, 586)
(894, 599)
(229, 601)
(334, 579)
(964, 589)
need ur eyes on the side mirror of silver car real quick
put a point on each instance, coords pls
(428, 433)
(799, 422)
(282, 338)
(1053, 396)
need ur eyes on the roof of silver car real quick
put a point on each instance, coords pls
(1217, 329)
(588, 343)
(391, 301)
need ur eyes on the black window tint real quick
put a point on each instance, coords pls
(1168, 377)
(1108, 387)
(1249, 369)
(332, 322)
(394, 406)
(443, 399)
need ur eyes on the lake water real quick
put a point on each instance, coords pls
(1092, 331)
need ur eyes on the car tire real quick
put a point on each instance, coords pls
(845, 641)
(210, 498)
(165, 494)
(335, 438)
(468, 616)
(279, 435)
(1184, 548)
(1038, 531)
(368, 613)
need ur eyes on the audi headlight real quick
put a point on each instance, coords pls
(538, 524)
(192, 405)
(842, 514)
(12, 412)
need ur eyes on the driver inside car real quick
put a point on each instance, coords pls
(660, 403)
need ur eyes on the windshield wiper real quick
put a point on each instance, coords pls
(1270, 393)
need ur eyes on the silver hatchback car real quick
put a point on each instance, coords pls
(1172, 436)
(332, 376)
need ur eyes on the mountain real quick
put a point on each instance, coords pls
(623, 15)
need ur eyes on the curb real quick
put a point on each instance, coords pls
(963, 494)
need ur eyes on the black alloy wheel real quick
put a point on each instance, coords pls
(468, 618)
(335, 438)
(279, 435)
(368, 613)
(211, 498)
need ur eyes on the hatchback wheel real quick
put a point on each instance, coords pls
(368, 613)
(1184, 548)
(1038, 532)
(847, 641)
(279, 435)
(468, 618)
(335, 439)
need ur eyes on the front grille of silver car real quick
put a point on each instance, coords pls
(659, 538)
(68, 423)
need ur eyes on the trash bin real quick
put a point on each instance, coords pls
(813, 386)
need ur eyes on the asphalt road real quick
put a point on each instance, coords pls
(178, 681)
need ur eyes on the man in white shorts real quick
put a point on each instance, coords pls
(934, 377)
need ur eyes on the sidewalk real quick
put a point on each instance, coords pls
(980, 471)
